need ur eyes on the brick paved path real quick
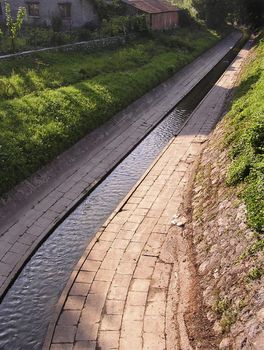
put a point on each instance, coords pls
(117, 296)
(32, 210)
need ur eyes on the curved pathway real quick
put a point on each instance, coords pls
(32, 210)
(119, 296)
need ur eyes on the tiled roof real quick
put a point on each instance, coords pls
(152, 6)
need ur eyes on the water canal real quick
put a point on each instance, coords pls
(26, 310)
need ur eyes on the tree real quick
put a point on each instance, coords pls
(14, 26)
(217, 13)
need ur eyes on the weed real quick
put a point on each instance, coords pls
(255, 273)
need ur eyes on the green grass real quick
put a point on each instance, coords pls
(255, 273)
(50, 100)
(245, 137)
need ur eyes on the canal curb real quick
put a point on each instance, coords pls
(49, 226)
(200, 139)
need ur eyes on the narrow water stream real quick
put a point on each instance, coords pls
(27, 307)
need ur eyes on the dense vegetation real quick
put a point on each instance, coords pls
(50, 100)
(218, 13)
(245, 135)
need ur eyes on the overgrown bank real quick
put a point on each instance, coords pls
(227, 221)
(245, 139)
(51, 100)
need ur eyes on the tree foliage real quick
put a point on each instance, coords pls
(14, 25)
(217, 13)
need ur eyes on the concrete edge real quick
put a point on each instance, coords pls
(15, 272)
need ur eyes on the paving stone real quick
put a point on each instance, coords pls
(137, 298)
(120, 243)
(74, 302)
(4, 247)
(100, 287)
(19, 248)
(155, 308)
(114, 307)
(115, 228)
(11, 258)
(143, 272)
(134, 313)
(154, 324)
(80, 289)
(131, 343)
(97, 255)
(85, 277)
(148, 261)
(130, 226)
(108, 340)
(5, 269)
(110, 264)
(35, 230)
(27, 239)
(117, 293)
(131, 329)
(114, 253)
(153, 342)
(93, 307)
(140, 285)
(134, 200)
(125, 234)
(90, 265)
(85, 345)
(140, 212)
(69, 317)
(126, 268)
(129, 207)
(87, 331)
(111, 322)
(2, 280)
(61, 347)
(102, 245)
(121, 280)
(104, 275)
(136, 218)
(64, 334)
(109, 236)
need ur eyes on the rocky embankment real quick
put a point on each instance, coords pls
(227, 255)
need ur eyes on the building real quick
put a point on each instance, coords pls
(72, 13)
(159, 14)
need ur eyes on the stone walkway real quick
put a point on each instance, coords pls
(117, 297)
(33, 209)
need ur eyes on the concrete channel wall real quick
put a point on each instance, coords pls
(35, 208)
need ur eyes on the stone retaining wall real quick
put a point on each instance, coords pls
(83, 45)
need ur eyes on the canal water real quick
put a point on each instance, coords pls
(26, 310)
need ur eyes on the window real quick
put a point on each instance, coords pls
(65, 10)
(33, 9)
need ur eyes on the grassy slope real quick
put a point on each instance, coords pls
(245, 137)
(49, 101)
